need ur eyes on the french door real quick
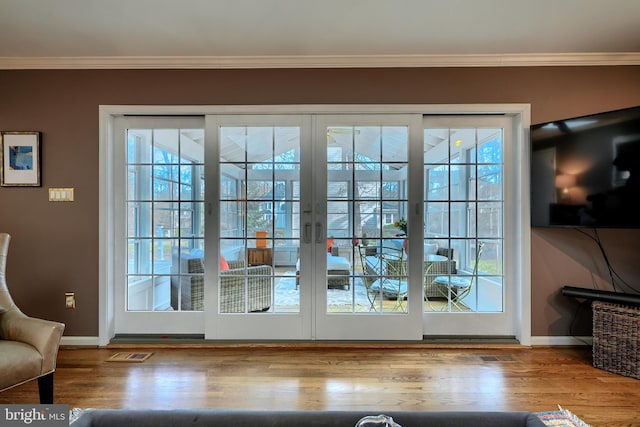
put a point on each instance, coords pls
(159, 192)
(362, 179)
(306, 193)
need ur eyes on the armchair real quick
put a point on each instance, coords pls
(29, 346)
(187, 290)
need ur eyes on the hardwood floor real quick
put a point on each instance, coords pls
(324, 376)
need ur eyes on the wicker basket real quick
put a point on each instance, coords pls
(616, 338)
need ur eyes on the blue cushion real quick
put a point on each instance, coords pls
(390, 286)
(454, 281)
(390, 244)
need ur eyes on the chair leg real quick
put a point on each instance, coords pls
(45, 388)
(399, 303)
(372, 300)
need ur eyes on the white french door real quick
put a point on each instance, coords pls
(258, 192)
(361, 185)
(159, 192)
(291, 187)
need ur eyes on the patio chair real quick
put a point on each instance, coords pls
(456, 287)
(385, 275)
(435, 268)
(236, 283)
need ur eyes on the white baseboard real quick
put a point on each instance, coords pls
(561, 341)
(535, 341)
(79, 341)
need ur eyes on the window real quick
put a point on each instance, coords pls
(165, 221)
(464, 207)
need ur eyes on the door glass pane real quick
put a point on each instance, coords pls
(165, 219)
(259, 219)
(366, 198)
(463, 214)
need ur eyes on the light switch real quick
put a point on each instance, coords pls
(61, 194)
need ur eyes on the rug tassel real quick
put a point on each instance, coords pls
(573, 417)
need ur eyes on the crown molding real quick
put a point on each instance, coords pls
(323, 61)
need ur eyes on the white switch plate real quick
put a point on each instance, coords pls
(61, 194)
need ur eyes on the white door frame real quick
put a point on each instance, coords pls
(521, 230)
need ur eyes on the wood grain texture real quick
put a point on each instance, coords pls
(371, 377)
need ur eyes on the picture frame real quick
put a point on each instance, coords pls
(20, 159)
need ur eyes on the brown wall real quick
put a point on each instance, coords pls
(54, 246)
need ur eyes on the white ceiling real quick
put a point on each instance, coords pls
(305, 33)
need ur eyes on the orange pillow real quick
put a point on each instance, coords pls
(224, 265)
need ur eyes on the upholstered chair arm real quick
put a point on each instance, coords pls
(42, 334)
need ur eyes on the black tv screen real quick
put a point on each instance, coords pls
(585, 171)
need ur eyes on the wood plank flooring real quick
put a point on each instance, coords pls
(376, 378)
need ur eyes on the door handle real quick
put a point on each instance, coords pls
(319, 233)
(306, 234)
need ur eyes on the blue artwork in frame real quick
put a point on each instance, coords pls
(20, 154)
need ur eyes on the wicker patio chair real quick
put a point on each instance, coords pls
(187, 291)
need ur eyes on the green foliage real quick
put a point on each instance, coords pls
(401, 224)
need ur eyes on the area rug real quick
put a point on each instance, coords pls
(75, 413)
(287, 298)
(287, 294)
(561, 418)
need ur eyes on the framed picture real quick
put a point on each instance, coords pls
(20, 157)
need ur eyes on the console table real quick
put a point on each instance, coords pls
(259, 256)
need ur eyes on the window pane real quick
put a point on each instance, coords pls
(165, 146)
(139, 146)
(259, 143)
(165, 178)
(436, 148)
(437, 185)
(259, 217)
(367, 143)
(464, 204)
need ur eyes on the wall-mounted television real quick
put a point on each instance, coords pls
(585, 171)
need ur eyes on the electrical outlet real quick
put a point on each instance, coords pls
(70, 299)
